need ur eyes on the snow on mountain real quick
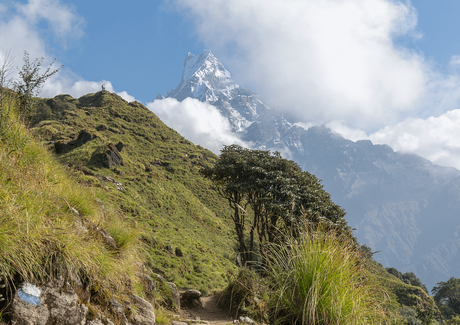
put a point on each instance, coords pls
(400, 204)
(206, 79)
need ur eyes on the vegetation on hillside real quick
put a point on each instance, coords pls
(118, 189)
(158, 185)
(270, 195)
(52, 227)
(447, 297)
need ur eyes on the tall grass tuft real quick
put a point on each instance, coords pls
(320, 278)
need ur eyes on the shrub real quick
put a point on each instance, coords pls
(320, 278)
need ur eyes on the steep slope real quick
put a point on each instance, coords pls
(151, 174)
(401, 205)
(66, 254)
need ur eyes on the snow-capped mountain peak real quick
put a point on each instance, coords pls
(206, 79)
(204, 65)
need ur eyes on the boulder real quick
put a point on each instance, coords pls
(149, 285)
(53, 303)
(144, 314)
(191, 299)
(178, 252)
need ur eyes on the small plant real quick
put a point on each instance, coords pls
(321, 278)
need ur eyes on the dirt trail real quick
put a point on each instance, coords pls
(209, 314)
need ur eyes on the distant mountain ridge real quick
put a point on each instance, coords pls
(401, 204)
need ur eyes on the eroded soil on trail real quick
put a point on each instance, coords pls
(210, 313)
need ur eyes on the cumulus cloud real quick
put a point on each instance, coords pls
(199, 122)
(62, 18)
(338, 62)
(324, 60)
(435, 138)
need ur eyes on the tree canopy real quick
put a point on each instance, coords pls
(447, 296)
(269, 195)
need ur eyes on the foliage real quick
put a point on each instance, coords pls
(320, 278)
(31, 82)
(454, 320)
(426, 315)
(447, 296)
(280, 195)
(410, 315)
(408, 277)
(162, 189)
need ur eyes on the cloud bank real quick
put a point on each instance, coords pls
(198, 122)
(339, 63)
(323, 60)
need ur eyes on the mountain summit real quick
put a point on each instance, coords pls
(401, 205)
(206, 79)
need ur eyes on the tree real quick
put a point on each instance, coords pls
(408, 277)
(31, 81)
(270, 195)
(447, 294)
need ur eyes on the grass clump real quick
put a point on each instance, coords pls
(320, 278)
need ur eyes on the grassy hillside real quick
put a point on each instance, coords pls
(158, 187)
(52, 226)
(156, 205)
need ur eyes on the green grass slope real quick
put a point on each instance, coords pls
(51, 226)
(158, 187)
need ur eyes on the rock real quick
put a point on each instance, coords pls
(120, 145)
(178, 323)
(149, 285)
(245, 320)
(95, 322)
(83, 137)
(175, 296)
(102, 127)
(119, 311)
(109, 158)
(191, 299)
(144, 314)
(53, 303)
(108, 239)
(179, 252)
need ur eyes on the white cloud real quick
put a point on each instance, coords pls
(327, 60)
(126, 96)
(349, 133)
(65, 23)
(336, 62)
(20, 30)
(76, 88)
(435, 138)
(198, 122)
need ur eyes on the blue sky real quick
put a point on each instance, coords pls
(384, 70)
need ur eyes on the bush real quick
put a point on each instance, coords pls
(321, 278)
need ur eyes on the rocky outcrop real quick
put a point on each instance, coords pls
(83, 137)
(190, 299)
(57, 302)
(110, 157)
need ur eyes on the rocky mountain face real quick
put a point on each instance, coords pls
(401, 205)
